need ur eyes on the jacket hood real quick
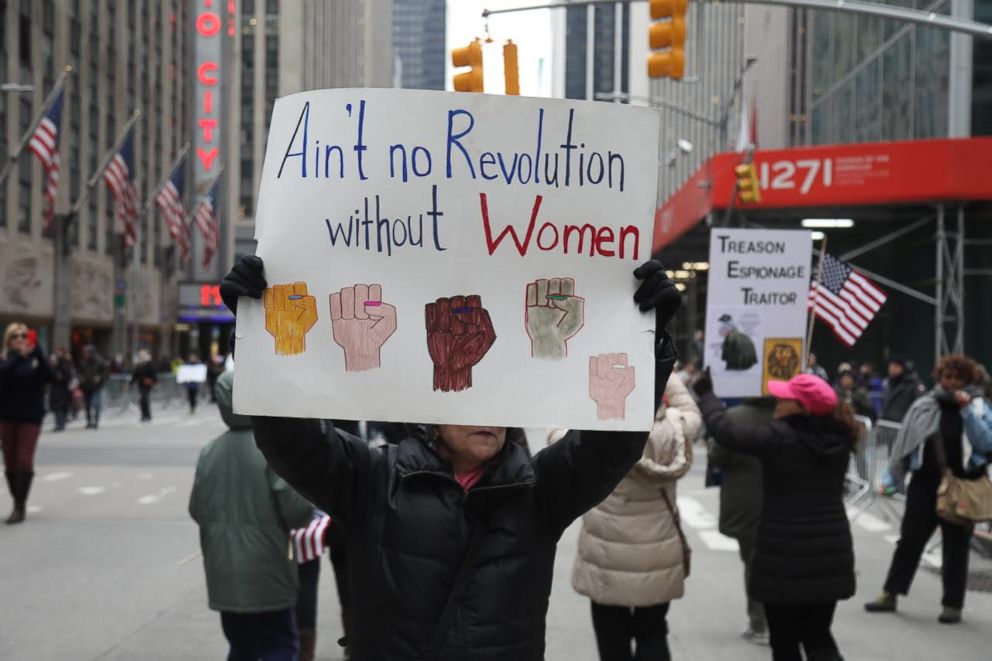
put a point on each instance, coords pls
(224, 392)
(821, 435)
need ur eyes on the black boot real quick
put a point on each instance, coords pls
(17, 491)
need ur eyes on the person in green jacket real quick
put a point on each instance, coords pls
(738, 350)
(245, 512)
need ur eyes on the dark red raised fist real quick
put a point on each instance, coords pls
(459, 333)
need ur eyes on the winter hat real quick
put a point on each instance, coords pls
(811, 391)
(898, 360)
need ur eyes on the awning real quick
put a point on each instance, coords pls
(910, 172)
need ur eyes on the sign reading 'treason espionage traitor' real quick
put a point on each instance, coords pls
(756, 307)
(458, 258)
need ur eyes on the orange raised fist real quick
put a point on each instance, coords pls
(289, 314)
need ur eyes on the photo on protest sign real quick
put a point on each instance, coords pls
(755, 307)
(467, 259)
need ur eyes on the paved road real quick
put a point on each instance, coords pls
(107, 567)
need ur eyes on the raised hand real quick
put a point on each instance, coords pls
(459, 333)
(289, 314)
(361, 323)
(657, 292)
(610, 381)
(554, 315)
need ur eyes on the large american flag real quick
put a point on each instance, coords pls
(846, 300)
(119, 175)
(170, 202)
(44, 144)
(208, 223)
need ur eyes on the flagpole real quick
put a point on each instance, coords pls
(136, 263)
(172, 168)
(26, 138)
(91, 182)
(812, 313)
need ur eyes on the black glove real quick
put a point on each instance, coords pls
(245, 279)
(704, 384)
(657, 292)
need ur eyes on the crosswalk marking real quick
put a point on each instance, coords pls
(868, 521)
(55, 477)
(91, 491)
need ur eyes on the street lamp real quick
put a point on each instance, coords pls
(683, 146)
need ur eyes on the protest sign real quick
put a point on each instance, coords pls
(756, 308)
(191, 374)
(458, 258)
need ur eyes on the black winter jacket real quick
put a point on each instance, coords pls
(804, 552)
(899, 395)
(410, 524)
(22, 386)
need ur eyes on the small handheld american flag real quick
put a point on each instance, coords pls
(119, 176)
(208, 223)
(170, 201)
(844, 299)
(44, 144)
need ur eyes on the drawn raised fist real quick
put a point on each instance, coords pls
(361, 324)
(610, 381)
(554, 315)
(289, 314)
(459, 333)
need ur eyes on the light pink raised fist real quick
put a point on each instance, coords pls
(361, 323)
(611, 379)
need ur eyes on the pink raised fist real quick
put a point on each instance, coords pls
(361, 323)
(610, 381)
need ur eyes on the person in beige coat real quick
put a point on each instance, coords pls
(631, 562)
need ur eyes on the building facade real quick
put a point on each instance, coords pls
(418, 43)
(124, 56)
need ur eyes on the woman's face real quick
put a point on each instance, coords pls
(951, 381)
(786, 407)
(469, 447)
(18, 340)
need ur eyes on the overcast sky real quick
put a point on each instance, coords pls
(531, 31)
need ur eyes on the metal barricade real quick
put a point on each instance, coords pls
(120, 398)
(858, 480)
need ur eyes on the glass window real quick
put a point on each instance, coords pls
(24, 197)
(867, 102)
(896, 90)
(869, 35)
(931, 83)
(575, 53)
(24, 38)
(845, 44)
(981, 93)
(822, 75)
(92, 222)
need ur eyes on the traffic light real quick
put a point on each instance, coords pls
(468, 56)
(747, 183)
(510, 69)
(666, 37)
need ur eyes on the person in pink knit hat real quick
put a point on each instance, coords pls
(804, 555)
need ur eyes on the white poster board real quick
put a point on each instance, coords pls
(191, 374)
(449, 257)
(756, 307)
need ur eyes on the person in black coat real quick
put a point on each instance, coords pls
(902, 388)
(145, 377)
(24, 371)
(59, 397)
(452, 502)
(804, 555)
(740, 502)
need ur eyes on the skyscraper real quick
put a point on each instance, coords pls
(418, 43)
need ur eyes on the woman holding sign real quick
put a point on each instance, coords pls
(453, 532)
(803, 561)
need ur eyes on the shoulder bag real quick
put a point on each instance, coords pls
(959, 501)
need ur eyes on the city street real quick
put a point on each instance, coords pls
(107, 566)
